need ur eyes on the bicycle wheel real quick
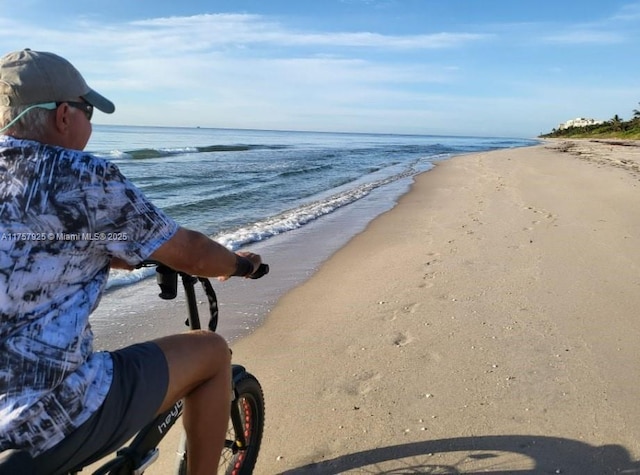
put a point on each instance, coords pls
(250, 406)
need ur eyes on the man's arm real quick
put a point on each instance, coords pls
(194, 253)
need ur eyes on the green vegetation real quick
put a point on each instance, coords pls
(615, 128)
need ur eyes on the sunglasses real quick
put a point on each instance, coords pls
(83, 106)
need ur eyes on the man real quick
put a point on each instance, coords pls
(60, 400)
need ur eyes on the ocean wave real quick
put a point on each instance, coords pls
(298, 217)
(305, 170)
(146, 153)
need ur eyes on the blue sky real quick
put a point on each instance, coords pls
(458, 67)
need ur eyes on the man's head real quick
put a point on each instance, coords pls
(36, 86)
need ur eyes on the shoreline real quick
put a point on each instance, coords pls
(244, 305)
(492, 311)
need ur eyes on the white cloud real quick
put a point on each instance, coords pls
(617, 29)
(630, 12)
(216, 65)
(235, 29)
(586, 37)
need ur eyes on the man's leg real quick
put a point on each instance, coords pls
(200, 372)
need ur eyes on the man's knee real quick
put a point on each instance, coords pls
(217, 345)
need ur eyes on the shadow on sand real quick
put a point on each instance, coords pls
(521, 454)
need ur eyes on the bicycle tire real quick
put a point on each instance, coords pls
(250, 402)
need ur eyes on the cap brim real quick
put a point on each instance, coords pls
(99, 102)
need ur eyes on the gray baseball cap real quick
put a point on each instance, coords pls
(33, 77)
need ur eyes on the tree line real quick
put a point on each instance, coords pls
(615, 127)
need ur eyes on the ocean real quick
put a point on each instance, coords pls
(295, 197)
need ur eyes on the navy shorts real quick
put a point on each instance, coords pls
(140, 381)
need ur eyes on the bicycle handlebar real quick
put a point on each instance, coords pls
(167, 279)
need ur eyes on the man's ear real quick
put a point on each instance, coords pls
(62, 118)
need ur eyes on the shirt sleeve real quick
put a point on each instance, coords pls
(127, 224)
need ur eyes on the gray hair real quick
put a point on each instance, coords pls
(31, 125)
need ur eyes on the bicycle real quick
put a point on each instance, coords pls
(246, 422)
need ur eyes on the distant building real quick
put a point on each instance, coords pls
(579, 122)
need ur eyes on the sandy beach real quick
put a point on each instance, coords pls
(488, 323)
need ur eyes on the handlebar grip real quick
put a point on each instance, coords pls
(167, 280)
(262, 270)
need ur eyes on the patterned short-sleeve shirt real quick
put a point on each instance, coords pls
(63, 215)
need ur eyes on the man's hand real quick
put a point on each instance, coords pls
(255, 260)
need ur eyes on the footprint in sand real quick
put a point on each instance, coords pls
(362, 383)
(431, 274)
(402, 339)
(427, 284)
(405, 310)
(546, 217)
